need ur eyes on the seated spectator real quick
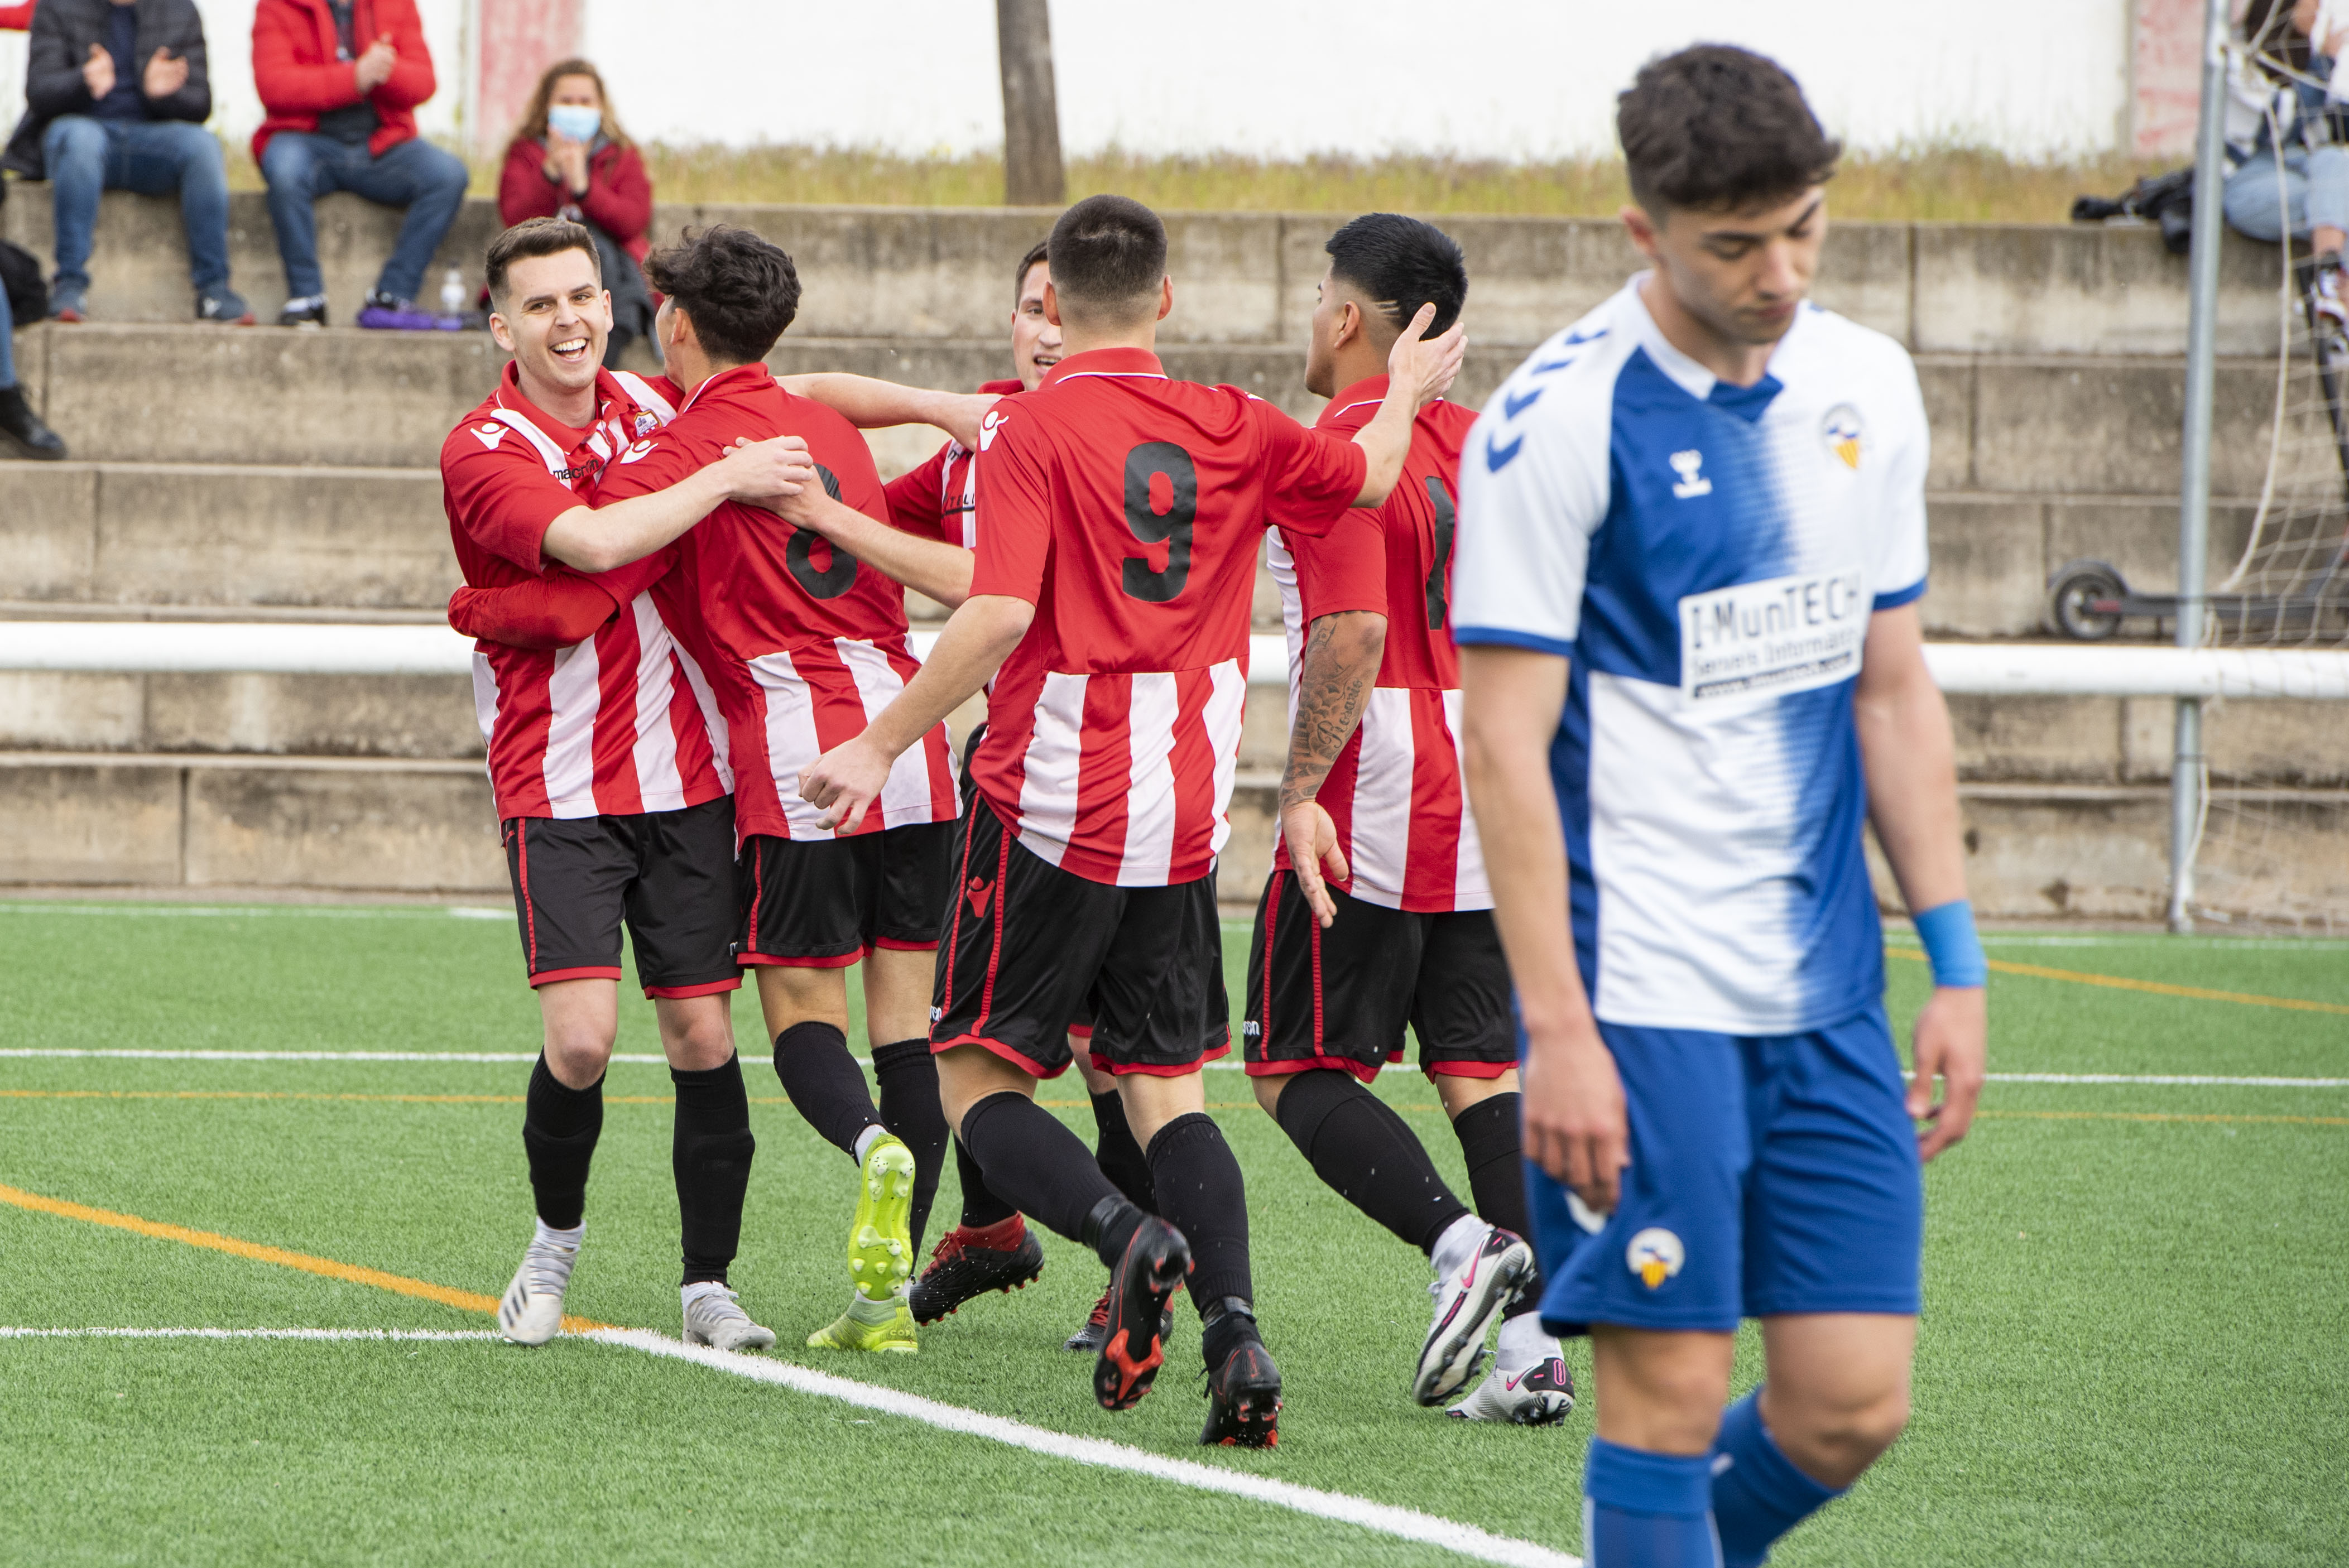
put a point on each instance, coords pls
(570, 158)
(2287, 174)
(22, 434)
(116, 96)
(341, 80)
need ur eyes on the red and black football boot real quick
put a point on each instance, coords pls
(969, 1263)
(1096, 1329)
(1154, 1262)
(1244, 1399)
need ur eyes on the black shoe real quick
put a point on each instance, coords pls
(309, 312)
(22, 434)
(1244, 1399)
(963, 1266)
(224, 306)
(1154, 1262)
(1096, 1329)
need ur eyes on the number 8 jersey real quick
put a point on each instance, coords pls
(1127, 508)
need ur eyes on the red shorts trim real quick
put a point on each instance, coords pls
(594, 972)
(1287, 1065)
(1470, 1069)
(892, 944)
(1153, 1069)
(1080, 1031)
(678, 993)
(773, 960)
(1026, 1064)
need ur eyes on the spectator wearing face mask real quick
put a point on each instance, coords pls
(570, 158)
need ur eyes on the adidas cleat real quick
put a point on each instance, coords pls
(967, 1264)
(1244, 1399)
(530, 1311)
(881, 1326)
(1540, 1396)
(881, 1237)
(1096, 1329)
(1467, 1300)
(713, 1317)
(1155, 1262)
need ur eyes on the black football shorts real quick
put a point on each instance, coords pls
(668, 875)
(1339, 998)
(823, 904)
(1028, 947)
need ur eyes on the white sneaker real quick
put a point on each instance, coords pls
(1468, 1297)
(713, 1317)
(2331, 310)
(530, 1311)
(1541, 1395)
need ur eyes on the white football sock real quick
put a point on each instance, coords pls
(1526, 1342)
(864, 1140)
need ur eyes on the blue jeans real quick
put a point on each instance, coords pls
(152, 157)
(7, 345)
(2312, 192)
(300, 168)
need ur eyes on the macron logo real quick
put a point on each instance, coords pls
(1693, 484)
(640, 449)
(991, 423)
(490, 435)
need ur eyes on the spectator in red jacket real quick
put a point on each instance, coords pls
(341, 80)
(570, 158)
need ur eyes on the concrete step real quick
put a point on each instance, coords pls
(342, 398)
(333, 825)
(1248, 278)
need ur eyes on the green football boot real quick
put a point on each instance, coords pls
(885, 1325)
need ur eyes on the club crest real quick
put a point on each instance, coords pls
(1655, 1255)
(1844, 434)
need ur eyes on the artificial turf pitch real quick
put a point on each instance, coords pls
(2133, 1348)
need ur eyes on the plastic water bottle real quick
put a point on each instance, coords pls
(452, 293)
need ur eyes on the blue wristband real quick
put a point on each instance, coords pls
(1952, 945)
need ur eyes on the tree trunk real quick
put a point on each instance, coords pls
(1031, 118)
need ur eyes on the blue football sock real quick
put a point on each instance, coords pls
(1643, 1509)
(1758, 1494)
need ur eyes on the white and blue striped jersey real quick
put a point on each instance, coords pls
(1707, 558)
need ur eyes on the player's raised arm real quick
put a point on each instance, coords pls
(1906, 750)
(930, 566)
(599, 539)
(1418, 370)
(871, 405)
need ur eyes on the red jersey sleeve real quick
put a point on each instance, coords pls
(501, 494)
(558, 609)
(655, 463)
(1310, 476)
(1015, 512)
(1345, 569)
(914, 498)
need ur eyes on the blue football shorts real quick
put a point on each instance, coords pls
(1768, 1175)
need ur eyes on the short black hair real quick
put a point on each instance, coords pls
(741, 290)
(533, 238)
(1716, 129)
(1402, 263)
(1039, 251)
(1108, 253)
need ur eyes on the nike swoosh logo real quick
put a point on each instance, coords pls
(1513, 406)
(1498, 457)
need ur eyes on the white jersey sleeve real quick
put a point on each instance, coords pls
(1534, 488)
(1897, 572)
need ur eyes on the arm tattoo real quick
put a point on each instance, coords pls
(1332, 696)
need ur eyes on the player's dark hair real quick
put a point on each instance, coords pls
(1108, 253)
(741, 290)
(1718, 129)
(533, 238)
(1040, 251)
(1402, 263)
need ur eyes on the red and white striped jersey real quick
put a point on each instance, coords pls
(621, 723)
(939, 499)
(1126, 507)
(806, 644)
(1395, 794)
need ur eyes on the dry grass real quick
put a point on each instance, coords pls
(1930, 184)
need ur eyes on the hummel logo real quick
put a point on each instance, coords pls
(980, 894)
(1511, 406)
(1693, 484)
(490, 435)
(1498, 457)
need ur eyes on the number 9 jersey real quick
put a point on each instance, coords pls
(1128, 508)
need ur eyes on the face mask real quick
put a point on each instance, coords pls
(575, 120)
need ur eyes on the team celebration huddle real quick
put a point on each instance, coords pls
(1590, 699)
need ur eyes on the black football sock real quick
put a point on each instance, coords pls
(1201, 1195)
(1490, 1142)
(825, 1085)
(1119, 1156)
(559, 1129)
(980, 1206)
(1356, 1143)
(711, 1156)
(908, 1077)
(1032, 1161)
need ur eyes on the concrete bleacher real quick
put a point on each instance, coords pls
(262, 473)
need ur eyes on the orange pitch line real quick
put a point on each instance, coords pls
(2158, 988)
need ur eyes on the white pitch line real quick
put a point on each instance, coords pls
(266, 911)
(1405, 1523)
(2168, 1079)
(371, 1334)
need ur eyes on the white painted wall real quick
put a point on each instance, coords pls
(1497, 79)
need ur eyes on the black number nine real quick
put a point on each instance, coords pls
(1173, 528)
(840, 575)
(1444, 519)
